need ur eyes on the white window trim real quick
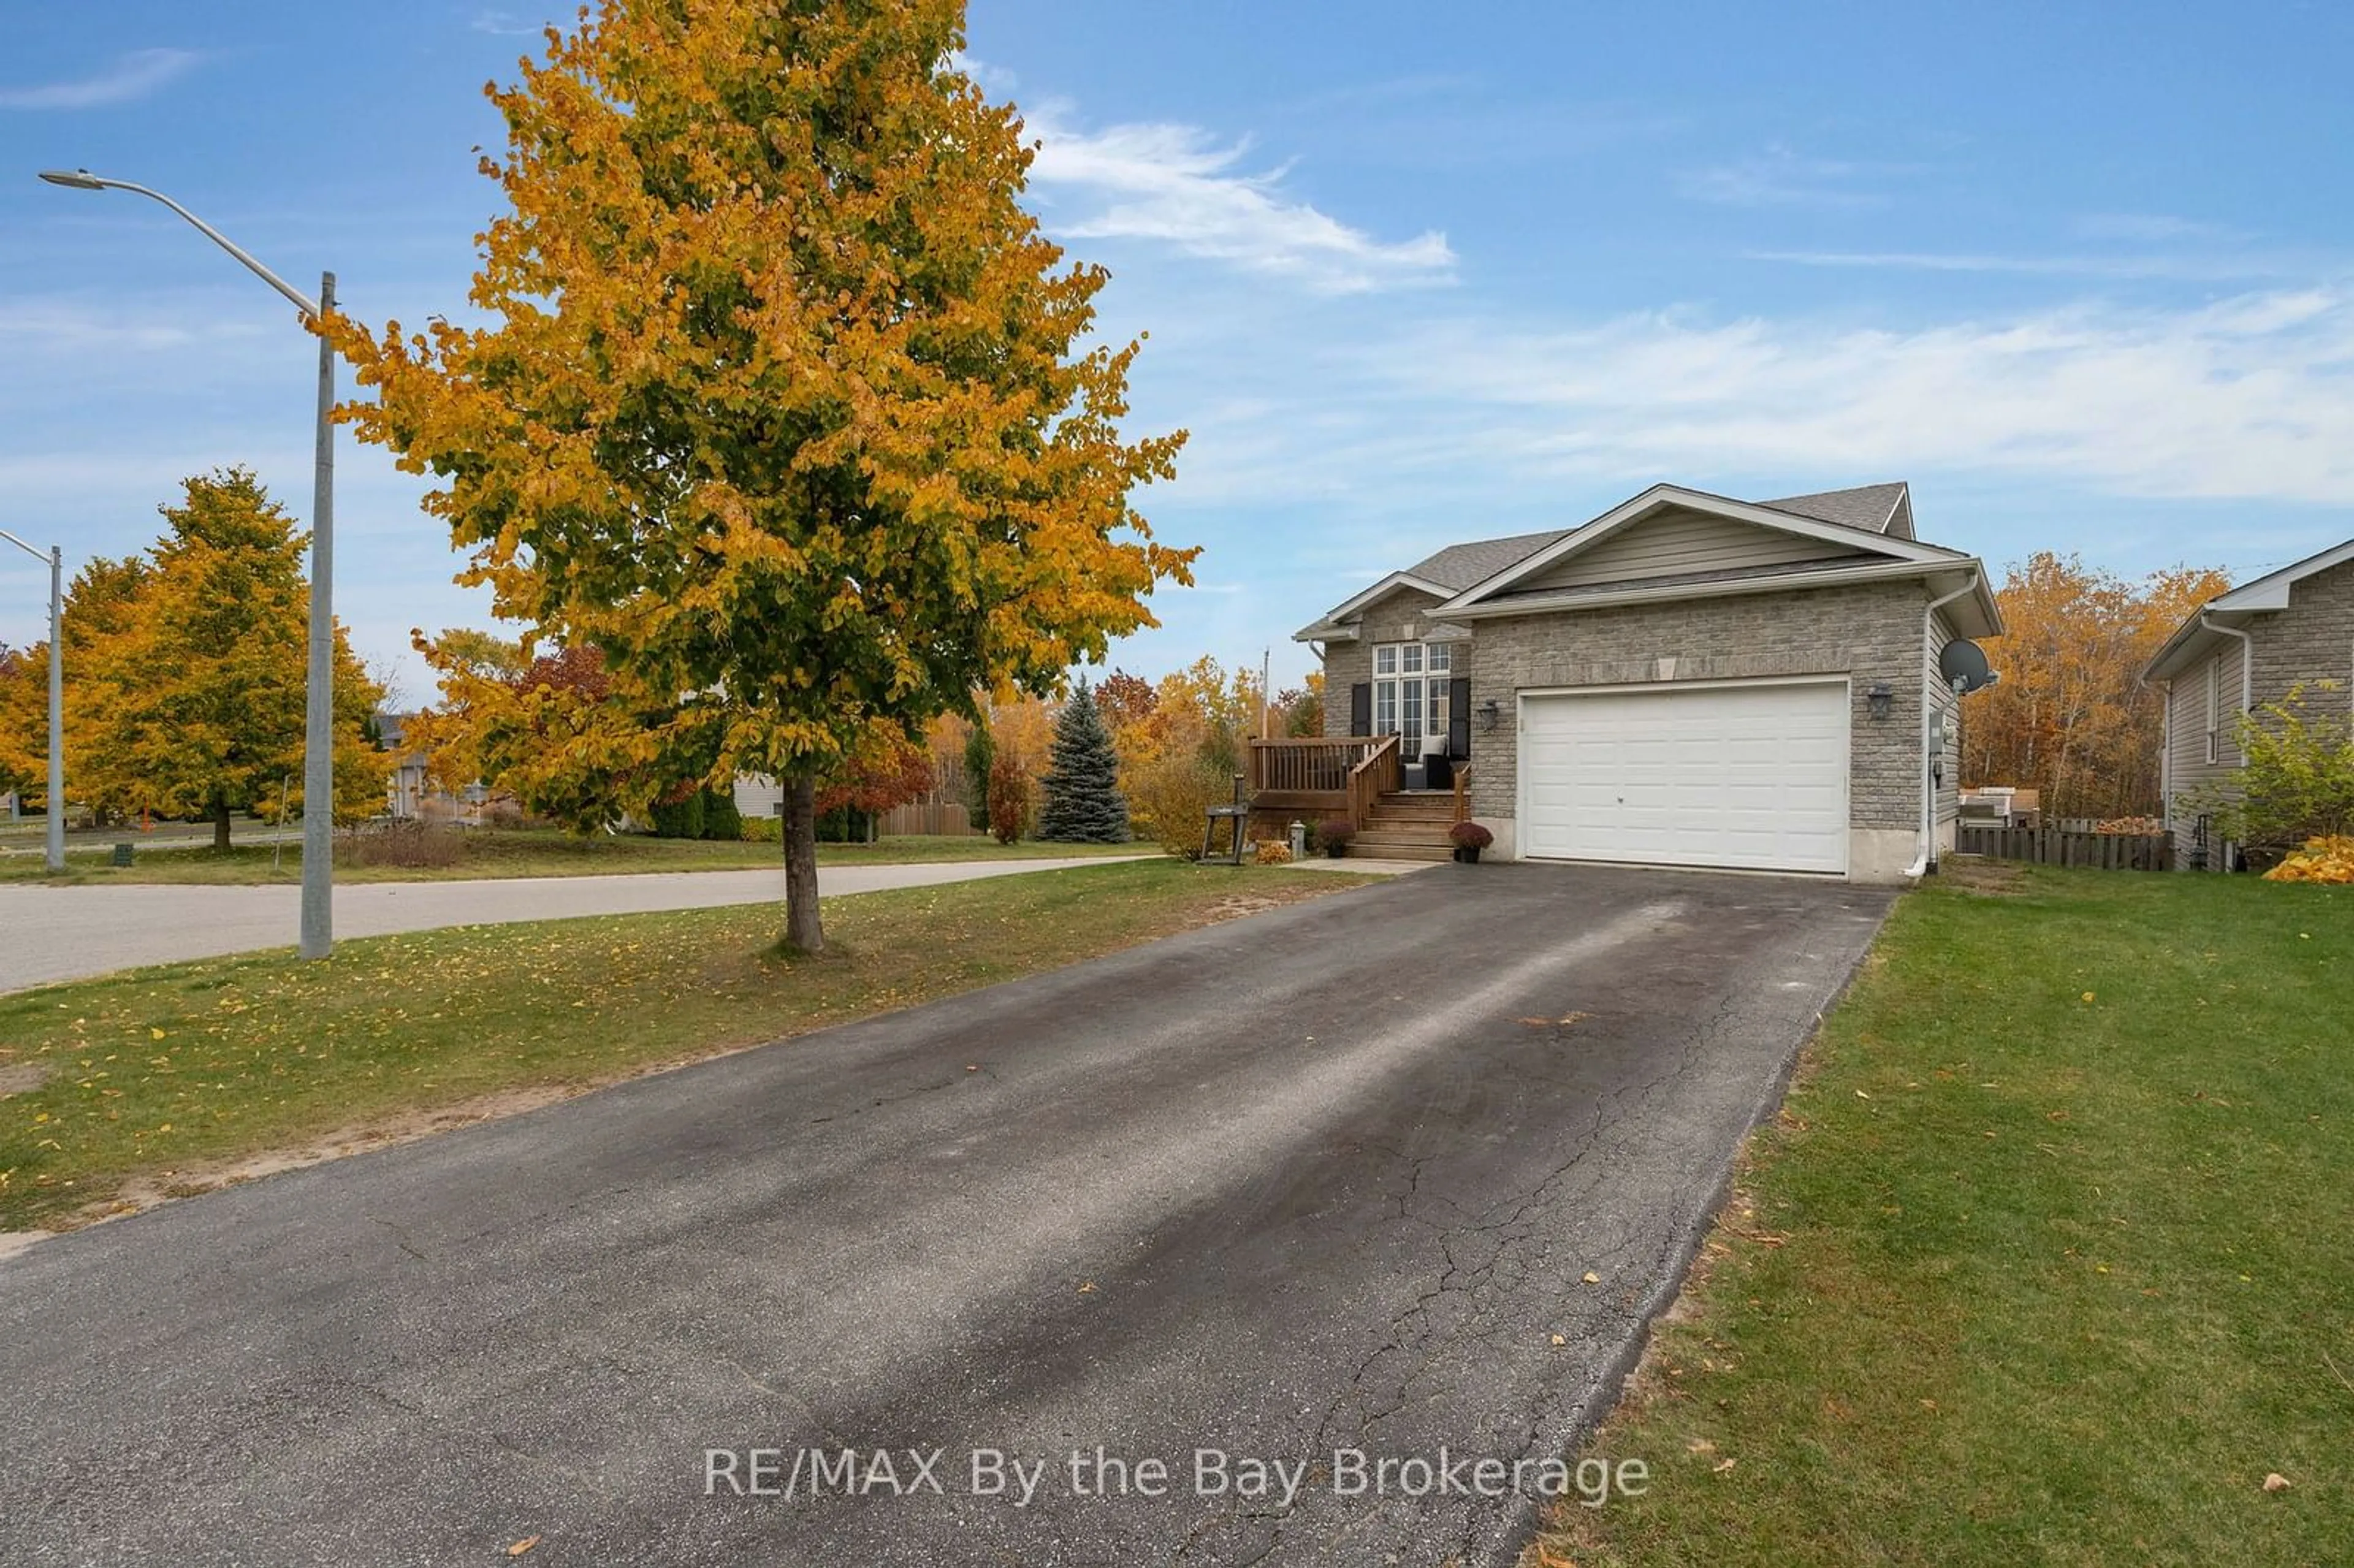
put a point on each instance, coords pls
(1437, 671)
(2214, 709)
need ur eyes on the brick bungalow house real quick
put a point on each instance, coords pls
(1685, 680)
(2236, 653)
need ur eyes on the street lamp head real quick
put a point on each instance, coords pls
(77, 179)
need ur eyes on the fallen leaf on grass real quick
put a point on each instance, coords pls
(1724, 1465)
(2275, 1482)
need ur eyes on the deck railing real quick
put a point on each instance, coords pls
(1319, 778)
(1313, 767)
(1372, 779)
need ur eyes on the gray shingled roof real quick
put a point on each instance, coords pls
(1458, 566)
(1866, 506)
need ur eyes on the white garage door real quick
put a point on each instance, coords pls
(1751, 775)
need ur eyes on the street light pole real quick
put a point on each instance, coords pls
(319, 696)
(319, 692)
(56, 822)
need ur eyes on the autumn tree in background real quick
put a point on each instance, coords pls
(187, 670)
(1124, 700)
(789, 407)
(1011, 797)
(2069, 717)
(102, 603)
(1179, 754)
(548, 728)
(17, 740)
(887, 769)
(1300, 712)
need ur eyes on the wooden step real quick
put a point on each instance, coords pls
(1383, 843)
(1437, 812)
(1361, 848)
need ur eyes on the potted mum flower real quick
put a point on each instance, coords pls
(1469, 839)
(1332, 835)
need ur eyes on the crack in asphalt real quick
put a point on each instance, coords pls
(400, 1236)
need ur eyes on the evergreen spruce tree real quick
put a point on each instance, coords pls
(1083, 803)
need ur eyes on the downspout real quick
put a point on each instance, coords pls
(2247, 661)
(1928, 855)
(2247, 691)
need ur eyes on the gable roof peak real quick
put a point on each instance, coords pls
(1871, 507)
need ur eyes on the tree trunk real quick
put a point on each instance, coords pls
(802, 932)
(221, 827)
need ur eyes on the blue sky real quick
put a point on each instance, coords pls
(2085, 275)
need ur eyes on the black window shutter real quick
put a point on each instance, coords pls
(1459, 716)
(1361, 708)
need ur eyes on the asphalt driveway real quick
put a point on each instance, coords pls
(1329, 1179)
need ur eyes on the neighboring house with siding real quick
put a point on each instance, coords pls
(1685, 680)
(2237, 653)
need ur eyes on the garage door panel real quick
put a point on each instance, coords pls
(1741, 776)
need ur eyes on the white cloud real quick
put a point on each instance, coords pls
(990, 77)
(1176, 184)
(2150, 227)
(2217, 268)
(131, 77)
(505, 24)
(2249, 397)
(1780, 177)
(72, 328)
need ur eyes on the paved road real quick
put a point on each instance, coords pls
(1328, 1178)
(66, 933)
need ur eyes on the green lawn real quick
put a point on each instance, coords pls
(2049, 1258)
(526, 851)
(157, 1074)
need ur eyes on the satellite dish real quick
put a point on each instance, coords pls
(1964, 664)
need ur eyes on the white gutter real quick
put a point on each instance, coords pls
(1928, 855)
(2247, 661)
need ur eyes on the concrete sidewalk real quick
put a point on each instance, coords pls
(71, 933)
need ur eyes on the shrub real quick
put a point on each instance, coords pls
(1009, 798)
(2320, 860)
(1471, 835)
(721, 820)
(1173, 796)
(2298, 782)
(979, 763)
(763, 830)
(678, 819)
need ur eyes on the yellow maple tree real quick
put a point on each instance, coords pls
(2069, 717)
(787, 406)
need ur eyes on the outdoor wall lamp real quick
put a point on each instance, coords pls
(1880, 697)
(1488, 713)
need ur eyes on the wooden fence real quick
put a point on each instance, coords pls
(2053, 847)
(927, 817)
